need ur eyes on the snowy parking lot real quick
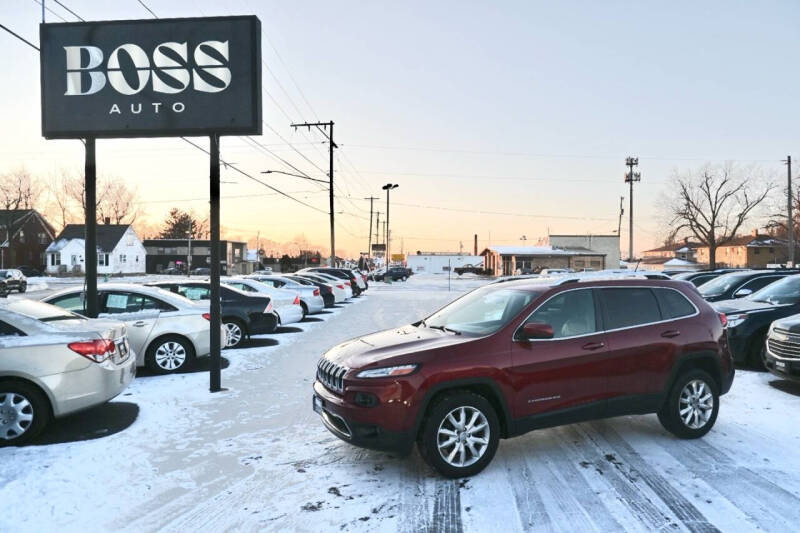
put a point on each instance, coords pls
(168, 455)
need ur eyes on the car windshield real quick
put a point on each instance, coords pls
(481, 312)
(40, 310)
(782, 292)
(721, 284)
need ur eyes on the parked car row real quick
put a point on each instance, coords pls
(762, 310)
(55, 361)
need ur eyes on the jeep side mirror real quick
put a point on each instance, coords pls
(537, 330)
(741, 293)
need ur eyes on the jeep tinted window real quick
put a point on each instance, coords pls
(673, 304)
(626, 307)
(570, 313)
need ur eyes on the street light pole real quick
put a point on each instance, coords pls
(388, 187)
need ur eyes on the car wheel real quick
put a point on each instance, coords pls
(692, 405)
(24, 412)
(757, 355)
(23, 288)
(460, 434)
(305, 309)
(235, 333)
(405, 278)
(169, 354)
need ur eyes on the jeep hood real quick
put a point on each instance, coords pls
(383, 346)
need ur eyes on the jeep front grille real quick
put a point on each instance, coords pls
(331, 375)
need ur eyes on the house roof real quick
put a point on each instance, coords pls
(108, 235)
(542, 250)
(19, 216)
(676, 247)
(755, 241)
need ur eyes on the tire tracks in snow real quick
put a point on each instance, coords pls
(764, 502)
(683, 509)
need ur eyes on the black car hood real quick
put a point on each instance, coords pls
(383, 345)
(790, 323)
(742, 305)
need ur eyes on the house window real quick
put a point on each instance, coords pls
(74, 260)
(772, 250)
(102, 259)
(122, 258)
(42, 238)
(21, 236)
(55, 259)
(756, 251)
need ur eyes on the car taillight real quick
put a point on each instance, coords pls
(347, 283)
(97, 350)
(269, 308)
(207, 316)
(316, 292)
(723, 320)
(296, 300)
(341, 286)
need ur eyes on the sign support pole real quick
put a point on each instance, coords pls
(90, 242)
(215, 377)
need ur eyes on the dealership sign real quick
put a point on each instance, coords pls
(151, 78)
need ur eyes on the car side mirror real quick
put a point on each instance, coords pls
(537, 330)
(741, 293)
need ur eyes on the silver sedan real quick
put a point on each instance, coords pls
(166, 330)
(53, 363)
(310, 298)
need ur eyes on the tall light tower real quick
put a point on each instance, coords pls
(388, 187)
(631, 177)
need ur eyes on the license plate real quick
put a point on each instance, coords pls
(780, 365)
(317, 404)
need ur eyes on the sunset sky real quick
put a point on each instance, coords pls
(497, 118)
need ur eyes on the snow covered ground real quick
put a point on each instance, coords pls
(167, 455)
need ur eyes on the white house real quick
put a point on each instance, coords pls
(119, 250)
(436, 263)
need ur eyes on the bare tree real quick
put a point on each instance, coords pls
(119, 202)
(713, 203)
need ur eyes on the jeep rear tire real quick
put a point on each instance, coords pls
(692, 405)
(460, 434)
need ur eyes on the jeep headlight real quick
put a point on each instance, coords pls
(387, 371)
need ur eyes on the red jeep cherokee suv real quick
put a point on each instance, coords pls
(520, 355)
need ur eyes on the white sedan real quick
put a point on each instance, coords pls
(166, 330)
(286, 303)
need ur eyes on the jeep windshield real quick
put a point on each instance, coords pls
(481, 312)
(782, 292)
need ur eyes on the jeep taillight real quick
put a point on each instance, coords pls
(97, 350)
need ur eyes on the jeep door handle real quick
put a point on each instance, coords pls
(671, 333)
(593, 345)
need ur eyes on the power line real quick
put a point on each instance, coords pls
(70, 11)
(49, 10)
(147, 8)
(21, 38)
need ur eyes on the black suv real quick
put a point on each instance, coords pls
(700, 277)
(740, 284)
(749, 318)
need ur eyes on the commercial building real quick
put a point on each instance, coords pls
(174, 253)
(438, 262)
(507, 260)
(607, 245)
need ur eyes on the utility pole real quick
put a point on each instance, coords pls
(189, 255)
(369, 246)
(789, 219)
(332, 145)
(378, 227)
(621, 212)
(631, 177)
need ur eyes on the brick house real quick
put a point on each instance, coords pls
(24, 237)
(750, 251)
